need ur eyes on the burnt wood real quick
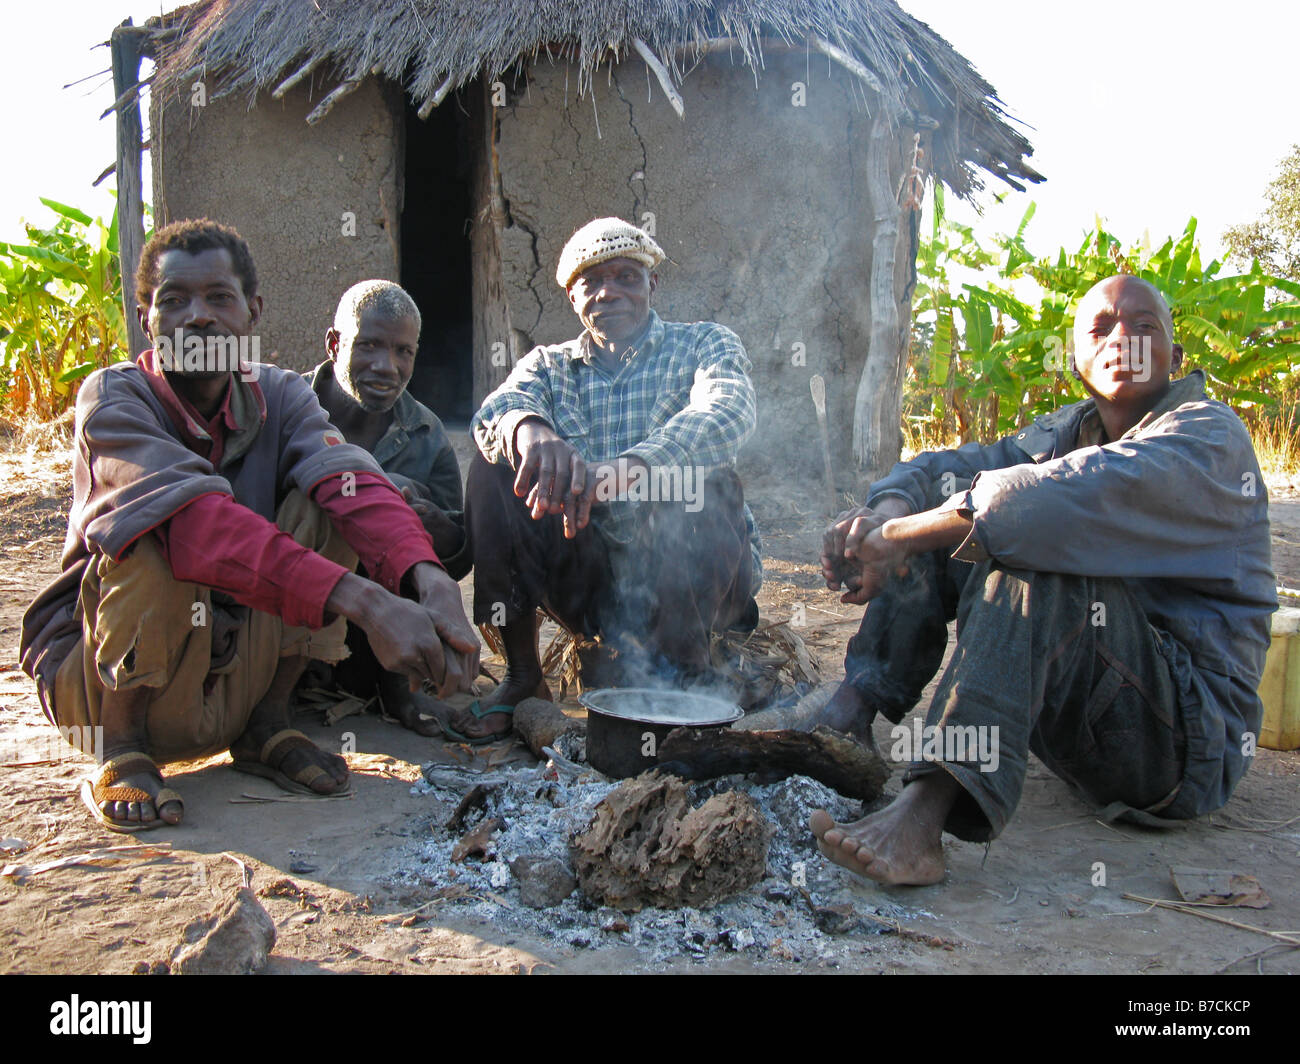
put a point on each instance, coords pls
(836, 760)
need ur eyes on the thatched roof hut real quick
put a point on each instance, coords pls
(773, 145)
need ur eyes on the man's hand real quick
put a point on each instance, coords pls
(440, 595)
(429, 640)
(880, 546)
(839, 567)
(552, 475)
(447, 537)
(877, 558)
(554, 479)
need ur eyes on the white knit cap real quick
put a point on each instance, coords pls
(602, 240)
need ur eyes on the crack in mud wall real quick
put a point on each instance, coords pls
(756, 200)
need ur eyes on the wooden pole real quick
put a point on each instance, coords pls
(660, 72)
(125, 47)
(323, 108)
(440, 94)
(288, 83)
(875, 420)
(849, 63)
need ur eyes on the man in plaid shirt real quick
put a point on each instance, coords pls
(604, 490)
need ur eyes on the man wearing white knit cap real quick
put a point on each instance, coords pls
(604, 489)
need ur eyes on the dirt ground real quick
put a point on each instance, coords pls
(1031, 904)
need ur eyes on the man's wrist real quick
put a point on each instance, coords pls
(536, 426)
(421, 575)
(895, 538)
(916, 533)
(892, 506)
(356, 598)
(448, 537)
(620, 470)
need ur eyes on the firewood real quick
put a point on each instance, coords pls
(827, 756)
(539, 723)
(646, 845)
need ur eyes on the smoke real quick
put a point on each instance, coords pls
(681, 580)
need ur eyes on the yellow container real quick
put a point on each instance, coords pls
(1279, 689)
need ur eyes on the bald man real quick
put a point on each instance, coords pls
(362, 387)
(1109, 570)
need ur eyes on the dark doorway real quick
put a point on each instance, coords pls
(436, 257)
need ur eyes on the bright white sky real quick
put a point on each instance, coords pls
(1146, 112)
(1143, 111)
(55, 143)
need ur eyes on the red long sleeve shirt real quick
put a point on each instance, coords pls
(219, 543)
(216, 542)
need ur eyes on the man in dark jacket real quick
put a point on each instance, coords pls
(216, 519)
(362, 387)
(1109, 569)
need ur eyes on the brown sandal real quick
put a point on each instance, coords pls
(274, 751)
(103, 787)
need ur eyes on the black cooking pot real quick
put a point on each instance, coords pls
(626, 725)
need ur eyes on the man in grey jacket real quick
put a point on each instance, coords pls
(362, 387)
(1109, 569)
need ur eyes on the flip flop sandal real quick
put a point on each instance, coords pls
(478, 712)
(102, 787)
(273, 753)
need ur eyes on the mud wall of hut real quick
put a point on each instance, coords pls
(757, 196)
(319, 205)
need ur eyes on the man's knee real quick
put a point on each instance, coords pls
(1044, 597)
(724, 491)
(311, 527)
(488, 482)
(138, 616)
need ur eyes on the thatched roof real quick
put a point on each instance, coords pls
(435, 46)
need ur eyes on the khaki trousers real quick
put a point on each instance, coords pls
(141, 627)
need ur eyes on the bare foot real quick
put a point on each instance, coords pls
(847, 712)
(414, 710)
(901, 844)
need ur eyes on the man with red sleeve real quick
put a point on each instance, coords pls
(217, 516)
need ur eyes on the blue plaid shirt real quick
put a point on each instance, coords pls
(682, 397)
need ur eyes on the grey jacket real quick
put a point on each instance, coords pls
(1177, 508)
(416, 453)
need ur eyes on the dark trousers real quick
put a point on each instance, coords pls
(683, 575)
(1066, 666)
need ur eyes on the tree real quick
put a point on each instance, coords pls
(1274, 237)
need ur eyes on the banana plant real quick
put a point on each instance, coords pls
(60, 310)
(1006, 357)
